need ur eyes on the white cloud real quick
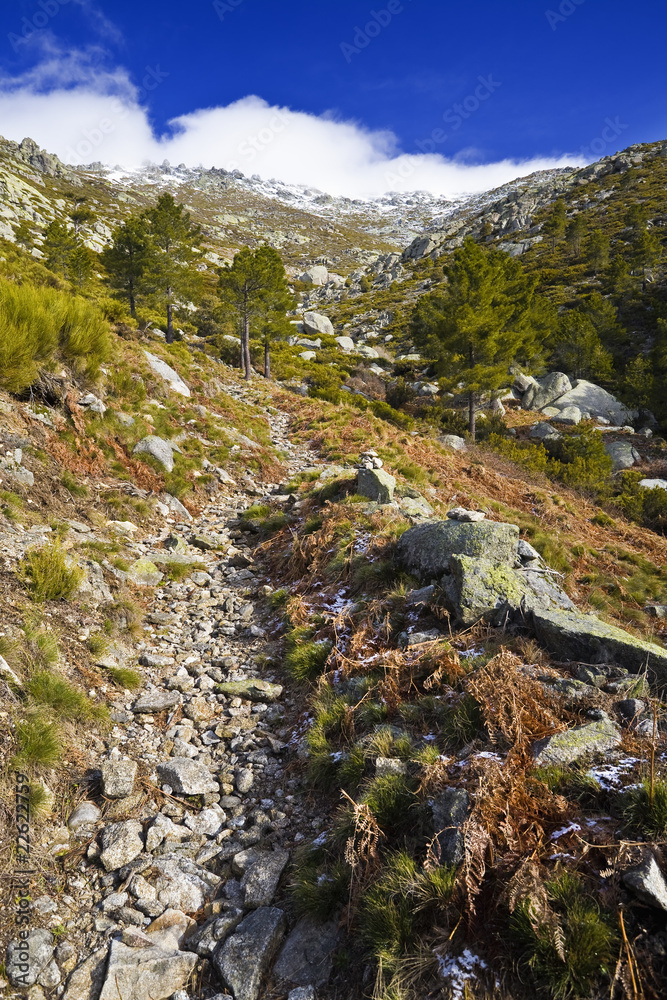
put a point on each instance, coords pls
(75, 107)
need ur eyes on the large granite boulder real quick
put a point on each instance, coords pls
(574, 744)
(573, 636)
(376, 484)
(159, 449)
(171, 377)
(315, 275)
(427, 549)
(243, 958)
(596, 401)
(316, 323)
(545, 391)
(623, 454)
(146, 972)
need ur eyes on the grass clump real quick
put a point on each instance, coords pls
(66, 701)
(646, 809)
(304, 658)
(72, 485)
(562, 939)
(39, 743)
(47, 574)
(98, 644)
(123, 677)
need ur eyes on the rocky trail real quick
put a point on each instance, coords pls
(191, 808)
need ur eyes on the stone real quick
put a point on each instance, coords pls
(162, 451)
(306, 958)
(572, 745)
(315, 323)
(631, 708)
(450, 809)
(367, 352)
(93, 403)
(543, 431)
(376, 484)
(187, 777)
(527, 553)
(308, 355)
(568, 415)
(420, 597)
(162, 828)
(316, 275)
(345, 344)
(653, 484)
(124, 419)
(86, 980)
(461, 514)
(522, 383)
(243, 958)
(118, 778)
(587, 639)
(216, 929)
(144, 573)
(176, 507)
(596, 401)
(386, 766)
(121, 843)
(167, 373)
(244, 780)
(656, 610)
(427, 549)
(182, 885)
(623, 454)
(27, 959)
(647, 882)
(546, 390)
(261, 879)
(302, 993)
(145, 972)
(453, 441)
(253, 689)
(155, 701)
(477, 587)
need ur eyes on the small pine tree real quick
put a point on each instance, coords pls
(578, 350)
(597, 251)
(59, 243)
(126, 258)
(555, 224)
(80, 265)
(173, 252)
(575, 232)
(488, 318)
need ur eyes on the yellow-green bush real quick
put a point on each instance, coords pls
(43, 325)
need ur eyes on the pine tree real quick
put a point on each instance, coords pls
(81, 214)
(578, 350)
(174, 250)
(575, 232)
(59, 243)
(597, 251)
(487, 319)
(80, 265)
(254, 288)
(554, 226)
(126, 258)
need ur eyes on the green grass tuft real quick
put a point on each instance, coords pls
(47, 574)
(39, 743)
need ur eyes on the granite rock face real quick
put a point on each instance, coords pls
(574, 744)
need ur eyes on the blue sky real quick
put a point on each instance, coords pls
(396, 94)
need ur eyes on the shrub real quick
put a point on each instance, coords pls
(42, 325)
(124, 677)
(646, 808)
(47, 574)
(305, 659)
(579, 460)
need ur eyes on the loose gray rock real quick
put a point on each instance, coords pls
(118, 778)
(155, 701)
(450, 810)
(543, 431)
(376, 484)
(572, 745)
(85, 814)
(158, 448)
(243, 958)
(302, 993)
(568, 415)
(261, 879)
(454, 442)
(316, 275)
(346, 344)
(144, 573)
(648, 883)
(653, 484)
(306, 958)
(86, 980)
(187, 777)
(121, 843)
(253, 689)
(167, 373)
(176, 507)
(623, 454)
(26, 960)
(244, 779)
(145, 972)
